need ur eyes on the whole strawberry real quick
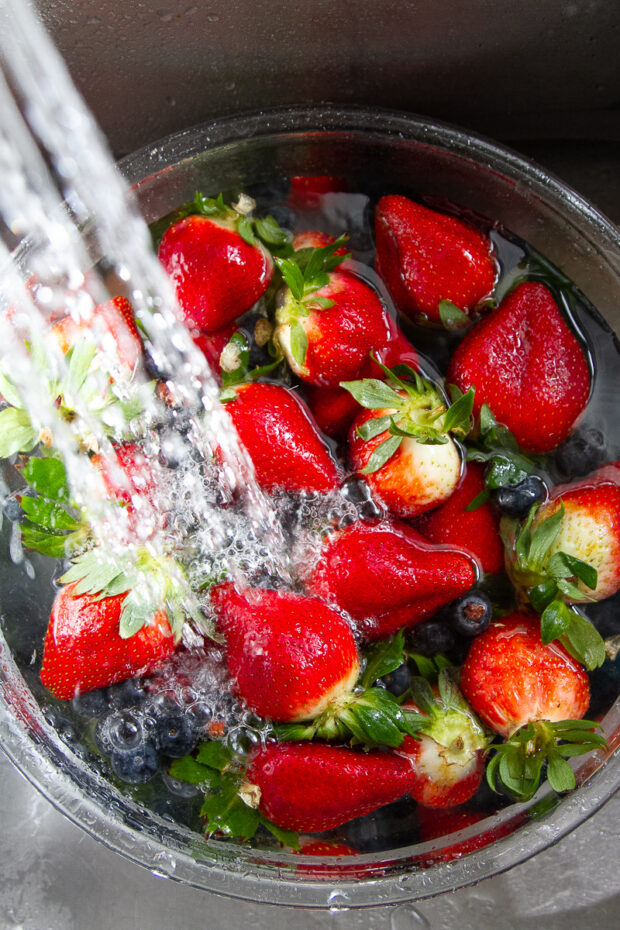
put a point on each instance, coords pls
(328, 332)
(289, 656)
(526, 364)
(313, 787)
(84, 649)
(216, 273)
(448, 756)
(281, 439)
(426, 258)
(402, 444)
(534, 695)
(476, 531)
(386, 576)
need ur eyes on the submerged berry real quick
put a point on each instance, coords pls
(135, 766)
(582, 453)
(516, 500)
(470, 614)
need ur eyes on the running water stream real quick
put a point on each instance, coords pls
(85, 242)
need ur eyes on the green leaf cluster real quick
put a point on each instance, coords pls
(419, 412)
(517, 764)
(214, 768)
(242, 372)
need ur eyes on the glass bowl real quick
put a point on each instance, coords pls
(375, 151)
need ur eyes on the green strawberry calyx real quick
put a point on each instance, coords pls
(447, 717)
(517, 764)
(550, 579)
(150, 583)
(304, 272)
(235, 361)
(414, 408)
(231, 804)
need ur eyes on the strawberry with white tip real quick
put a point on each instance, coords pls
(448, 755)
(402, 445)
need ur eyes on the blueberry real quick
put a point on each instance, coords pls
(63, 726)
(135, 766)
(398, 681)
(175, 734)
(283, 215)
(92, 703)
(257, 330)
(582, 453)
(432, 637)
(471, 614)
(12, 510)
(125, 694)
(516, 500)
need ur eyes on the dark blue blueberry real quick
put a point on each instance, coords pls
(175, 734)
(398, 681)
(125, 694)
(582, 453)
(91, 704)
(135, 766)
(432, 637)
(516, 500)
(471, 614)
(256, 329)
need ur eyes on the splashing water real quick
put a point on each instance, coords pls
(85, 241)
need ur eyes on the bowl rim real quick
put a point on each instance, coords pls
(268, 883)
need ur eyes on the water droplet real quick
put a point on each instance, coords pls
(406, 917)
(213, 18)
(338, 902)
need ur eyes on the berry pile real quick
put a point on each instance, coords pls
(436, 625)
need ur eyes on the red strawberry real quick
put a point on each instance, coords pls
(415, 478)
(217, 274)
(112, 326)
(323, 848)
(511, 678)
(527, 366)
(425, 257)
(289, 656)
(341, 322)
(448, 755)
(313, 787)
(476, 531)
(84, 650)
(385, 575)
(281, 439)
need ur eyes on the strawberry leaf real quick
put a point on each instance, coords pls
(189, 770)
(543, 538)
(298, 342)
(563, 565)
(382, 658)
(451, 316)
(559, 773)
(225, 811)
(287, 837)
(17, 434)
(9, 392)
(479, 500)
(584, 642)
(555, 620)
(48, 514)
(245, 230)
(47, 477)
(373, 427)
(382, 454)
(373, 394)
(459, 414)
(542, 595)
(292, 275)
(214, 754)
(270, 232)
